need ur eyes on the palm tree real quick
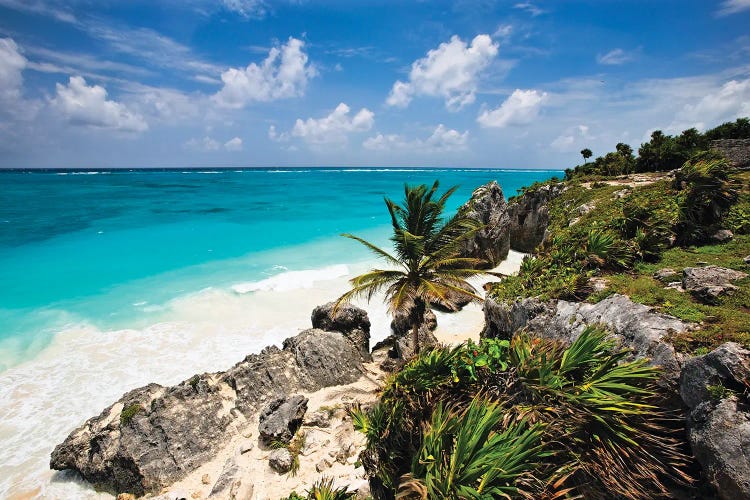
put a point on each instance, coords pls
(426, 267)
(586, 153)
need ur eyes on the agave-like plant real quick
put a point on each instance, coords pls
(426, 267)
(605, 249)
(467, 454)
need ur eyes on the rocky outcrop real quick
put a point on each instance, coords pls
(714, 388)
(529, 217)
(635, 326)
(737, 151)
(281, 419)
(403, 341)
(155, 435)
(492, 243)
(709, 283)
(350, 320)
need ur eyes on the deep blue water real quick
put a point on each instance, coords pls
(100, 246)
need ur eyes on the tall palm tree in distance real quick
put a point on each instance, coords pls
(426, 267)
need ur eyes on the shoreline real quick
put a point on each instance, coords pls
(218, 328)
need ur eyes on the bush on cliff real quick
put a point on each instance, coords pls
(525, 418)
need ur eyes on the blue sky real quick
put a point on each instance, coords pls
(516, 84)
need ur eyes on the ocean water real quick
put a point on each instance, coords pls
(113, 279)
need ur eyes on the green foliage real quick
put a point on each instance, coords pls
(739, 129)
(193, 382)
(738, 217)
(718, 392)
(463, 455)
(552, 420)
(127, 413)
(323, 490)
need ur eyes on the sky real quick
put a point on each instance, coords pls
(262, 83)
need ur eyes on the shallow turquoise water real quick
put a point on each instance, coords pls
(108, 248)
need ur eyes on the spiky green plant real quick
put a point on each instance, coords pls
(602, 434)
(323, 490)
(426, 267)
(467, 454)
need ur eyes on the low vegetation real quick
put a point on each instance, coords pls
(522, 418)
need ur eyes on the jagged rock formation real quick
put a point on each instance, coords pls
(492, 243)
(636, 326)
(155, 435)
(737, 151)
(529, 217)
(350, 320)
(714, 387)
(403, 341)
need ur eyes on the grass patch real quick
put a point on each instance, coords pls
(127, 413)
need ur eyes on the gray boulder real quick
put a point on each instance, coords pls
(727, 365)
(280, 420)
(722, 236)
(529, 217)
(492, 243)
(403, 339)
(154, 436)
(230, 482)
(350, 320)
(281, 460)
(709, 283)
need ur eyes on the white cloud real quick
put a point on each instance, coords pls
(204, 145)
(451, 71)
(728, 7)
(731, 100)
(247, 8)
(530, 8)
(614, 57)
(81, 104)
(283, 74)
(39, 7)
(520, 108)
(442, 140)
(330, 129)
(12, 64)
(503, 31)
(233, 144)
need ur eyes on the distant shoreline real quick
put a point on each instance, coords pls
(267, 169)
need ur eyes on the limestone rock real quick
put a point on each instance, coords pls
(722, 236)
(323, 464)
(125, 496)
(746, 260)
(728, 365)
(317, 419)
(401, 324)
(492, 243)
(206, 479)
(720, 438)
(229, 478)
(709, 283)
(154, 436)
(350, 320)
(529, 217)
(281, 460)
(280, 420)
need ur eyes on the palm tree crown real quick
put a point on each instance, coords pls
(426, 267)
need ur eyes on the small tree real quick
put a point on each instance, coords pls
(586, 153)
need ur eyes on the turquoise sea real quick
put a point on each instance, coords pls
(112, 279)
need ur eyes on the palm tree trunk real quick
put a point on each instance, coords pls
(417, 318)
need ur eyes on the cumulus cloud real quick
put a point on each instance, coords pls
(283, 74)
(450, 71)
(331, 129)
(614, 57)
(520, 108)
(732, 99)
(442, 140)
(12, 64)
(729, 7)
(234, 144)
(81, 104)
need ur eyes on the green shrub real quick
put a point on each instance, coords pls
(738, 217)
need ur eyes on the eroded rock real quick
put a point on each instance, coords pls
(350, 320)
(488, 207)
(154, 436)
(709, 283)
(280, 420)
(281, 460)
(529, 217)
